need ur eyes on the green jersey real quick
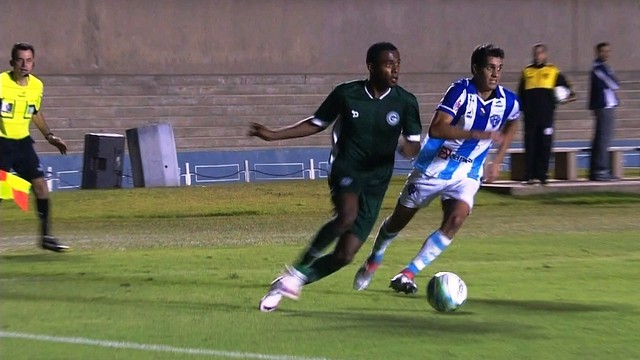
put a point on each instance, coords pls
(366, 129)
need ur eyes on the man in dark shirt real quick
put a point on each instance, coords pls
(602, 101)
(369, 116)
(538, 101)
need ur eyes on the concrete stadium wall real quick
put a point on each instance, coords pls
(310, 37)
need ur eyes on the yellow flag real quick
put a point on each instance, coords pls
(16, 188)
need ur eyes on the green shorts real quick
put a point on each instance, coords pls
(370, 185)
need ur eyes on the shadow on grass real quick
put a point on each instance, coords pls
(40, 257)
(543, 305)
(417, 323)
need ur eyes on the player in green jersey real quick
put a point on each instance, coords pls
(369, 117)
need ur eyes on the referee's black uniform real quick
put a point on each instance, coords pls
(538, 102)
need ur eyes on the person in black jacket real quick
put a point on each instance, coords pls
(602, 100)
(538, 101)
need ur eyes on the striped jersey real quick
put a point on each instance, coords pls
(457, 159)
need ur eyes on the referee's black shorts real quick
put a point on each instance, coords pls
(20, 156)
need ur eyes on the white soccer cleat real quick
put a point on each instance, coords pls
(271, 300)
(291, 283)
(288, 285)
(363, 277)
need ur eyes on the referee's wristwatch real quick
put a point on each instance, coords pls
(49, 136)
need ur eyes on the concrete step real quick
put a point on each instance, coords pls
(175, 121)
(187, 90)
(429, 99)
(629, 123)
(185, 111)
(621, 112)
(570, 134)
(52, 102)
(210, 110)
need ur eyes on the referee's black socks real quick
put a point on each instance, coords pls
(43, 214)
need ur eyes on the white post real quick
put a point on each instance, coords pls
(49, 177)
(187, 175)
(312, 170)
(247, 178)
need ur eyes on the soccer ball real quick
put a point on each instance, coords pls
(446, 291)
(561, 93)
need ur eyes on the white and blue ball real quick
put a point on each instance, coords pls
(446, 291)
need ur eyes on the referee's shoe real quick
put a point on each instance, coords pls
(51, 243)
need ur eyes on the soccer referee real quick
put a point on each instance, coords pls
(20, 98)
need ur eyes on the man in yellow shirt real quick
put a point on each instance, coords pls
(20, 98)
(538, 100)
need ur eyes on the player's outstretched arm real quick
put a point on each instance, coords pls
(441, 128)
(300, 129)
(41, 123)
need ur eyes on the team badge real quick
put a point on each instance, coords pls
(346, 181)
(393, 118)
(494, 120)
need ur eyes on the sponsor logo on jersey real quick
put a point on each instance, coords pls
(393, 118)
(355, 114)
(31, 109)
(457, 106)
(460, 158)
(446, 153)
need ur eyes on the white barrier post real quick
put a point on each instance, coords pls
(187, 175)
(312, 170)
(49, 177)
(247, 178)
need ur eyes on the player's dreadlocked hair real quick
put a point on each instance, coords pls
(482, 52)
(377, 48)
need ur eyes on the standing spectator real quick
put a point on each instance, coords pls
(538, 100)
(602, 100)
(20, 97)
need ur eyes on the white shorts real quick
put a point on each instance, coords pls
(420, 190)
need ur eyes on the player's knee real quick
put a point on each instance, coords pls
(343, 257)
(344, 222)
(453, 223)
(40, 188)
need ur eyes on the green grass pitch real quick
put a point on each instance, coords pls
(177, 274)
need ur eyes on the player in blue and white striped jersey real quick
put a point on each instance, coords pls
(473, 114)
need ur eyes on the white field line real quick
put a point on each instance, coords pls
(149, 347)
